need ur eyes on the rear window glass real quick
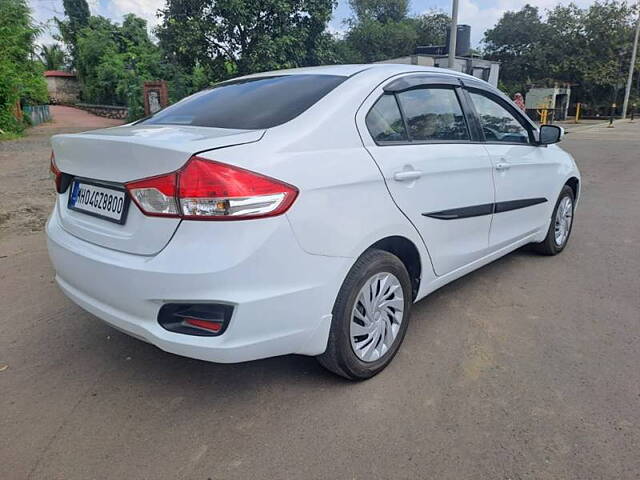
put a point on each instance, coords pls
(253, 103)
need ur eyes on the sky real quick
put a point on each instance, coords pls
(480, 14)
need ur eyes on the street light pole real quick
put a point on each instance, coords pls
(634, 52)
(453, 34)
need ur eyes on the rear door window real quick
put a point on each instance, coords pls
(253, 103)
(434, 114)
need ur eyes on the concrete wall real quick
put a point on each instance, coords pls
(108, 111)
(423, 60)
(64, 90)
(483, 69)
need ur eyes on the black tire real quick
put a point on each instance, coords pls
(549, 246)
(339, 356)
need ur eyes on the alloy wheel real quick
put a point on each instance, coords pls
(564, 217)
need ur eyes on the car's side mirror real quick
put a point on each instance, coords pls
(550, 134)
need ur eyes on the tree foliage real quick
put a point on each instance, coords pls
(382, 29)
(77, 17)
(236, 37)
(516, 42)
(587, 47)
(432, 28)
(371, 40)
(205, 41)
(114, 61)
(52, 57)
(382, 11)
(21, 77)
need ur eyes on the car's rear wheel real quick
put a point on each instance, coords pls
(370, 316)
(560, 226)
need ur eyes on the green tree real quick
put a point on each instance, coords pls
(21, 77)
(115, 60)
(52, 57)
(589, 48)
(608, 29)
(97, 44)
(517, 41)
(77, 17)
(432, 28)
(237, 37)
(382, 29)
(382, 11)
(372, 41)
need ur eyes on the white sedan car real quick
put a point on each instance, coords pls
(302, 211)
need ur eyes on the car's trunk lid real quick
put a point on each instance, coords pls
(114, 156)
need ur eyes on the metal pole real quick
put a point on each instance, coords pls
(634, 52)
(453, 34)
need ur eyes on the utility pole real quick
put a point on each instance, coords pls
(453, 34)
(634, 52)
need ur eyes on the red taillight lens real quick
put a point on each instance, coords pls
(207, 190)
(215, 190)
(57, 174)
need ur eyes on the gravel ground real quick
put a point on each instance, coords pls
(525, 369)
(26, 195)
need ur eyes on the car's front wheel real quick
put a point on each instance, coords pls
(561, 224)
(370, 316)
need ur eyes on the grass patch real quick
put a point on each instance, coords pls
(9, 136)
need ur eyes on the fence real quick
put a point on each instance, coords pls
(37, 114)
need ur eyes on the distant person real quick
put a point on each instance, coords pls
(518, 99)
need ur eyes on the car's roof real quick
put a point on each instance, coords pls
(349, 70)
(372, 69)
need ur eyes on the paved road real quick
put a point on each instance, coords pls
(526, 369)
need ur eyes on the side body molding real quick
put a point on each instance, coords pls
(484, 209)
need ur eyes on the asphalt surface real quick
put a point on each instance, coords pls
(525, 369)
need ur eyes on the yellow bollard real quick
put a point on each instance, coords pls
(543, 117)
(578, 105)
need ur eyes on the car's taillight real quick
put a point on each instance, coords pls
(57, 174)
(208, 190)
(156, 195)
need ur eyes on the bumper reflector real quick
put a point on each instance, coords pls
(200, 319)
(212, 325)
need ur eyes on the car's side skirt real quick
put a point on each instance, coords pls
(439, 282)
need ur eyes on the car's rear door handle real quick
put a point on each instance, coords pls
(407, 175)
(503, 166)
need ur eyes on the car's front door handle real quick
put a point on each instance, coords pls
(407, 175)
(503, 166)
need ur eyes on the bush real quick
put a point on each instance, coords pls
(21, 77)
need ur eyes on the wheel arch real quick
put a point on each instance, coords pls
(574, 183)
(409, 255)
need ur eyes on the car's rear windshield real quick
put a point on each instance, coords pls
(254, 103)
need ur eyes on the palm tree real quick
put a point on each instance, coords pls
(52, 57)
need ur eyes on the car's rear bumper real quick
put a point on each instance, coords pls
(282, 296)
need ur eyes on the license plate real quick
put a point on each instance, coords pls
(99, 200)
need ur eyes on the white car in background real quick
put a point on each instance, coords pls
(302, 211)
